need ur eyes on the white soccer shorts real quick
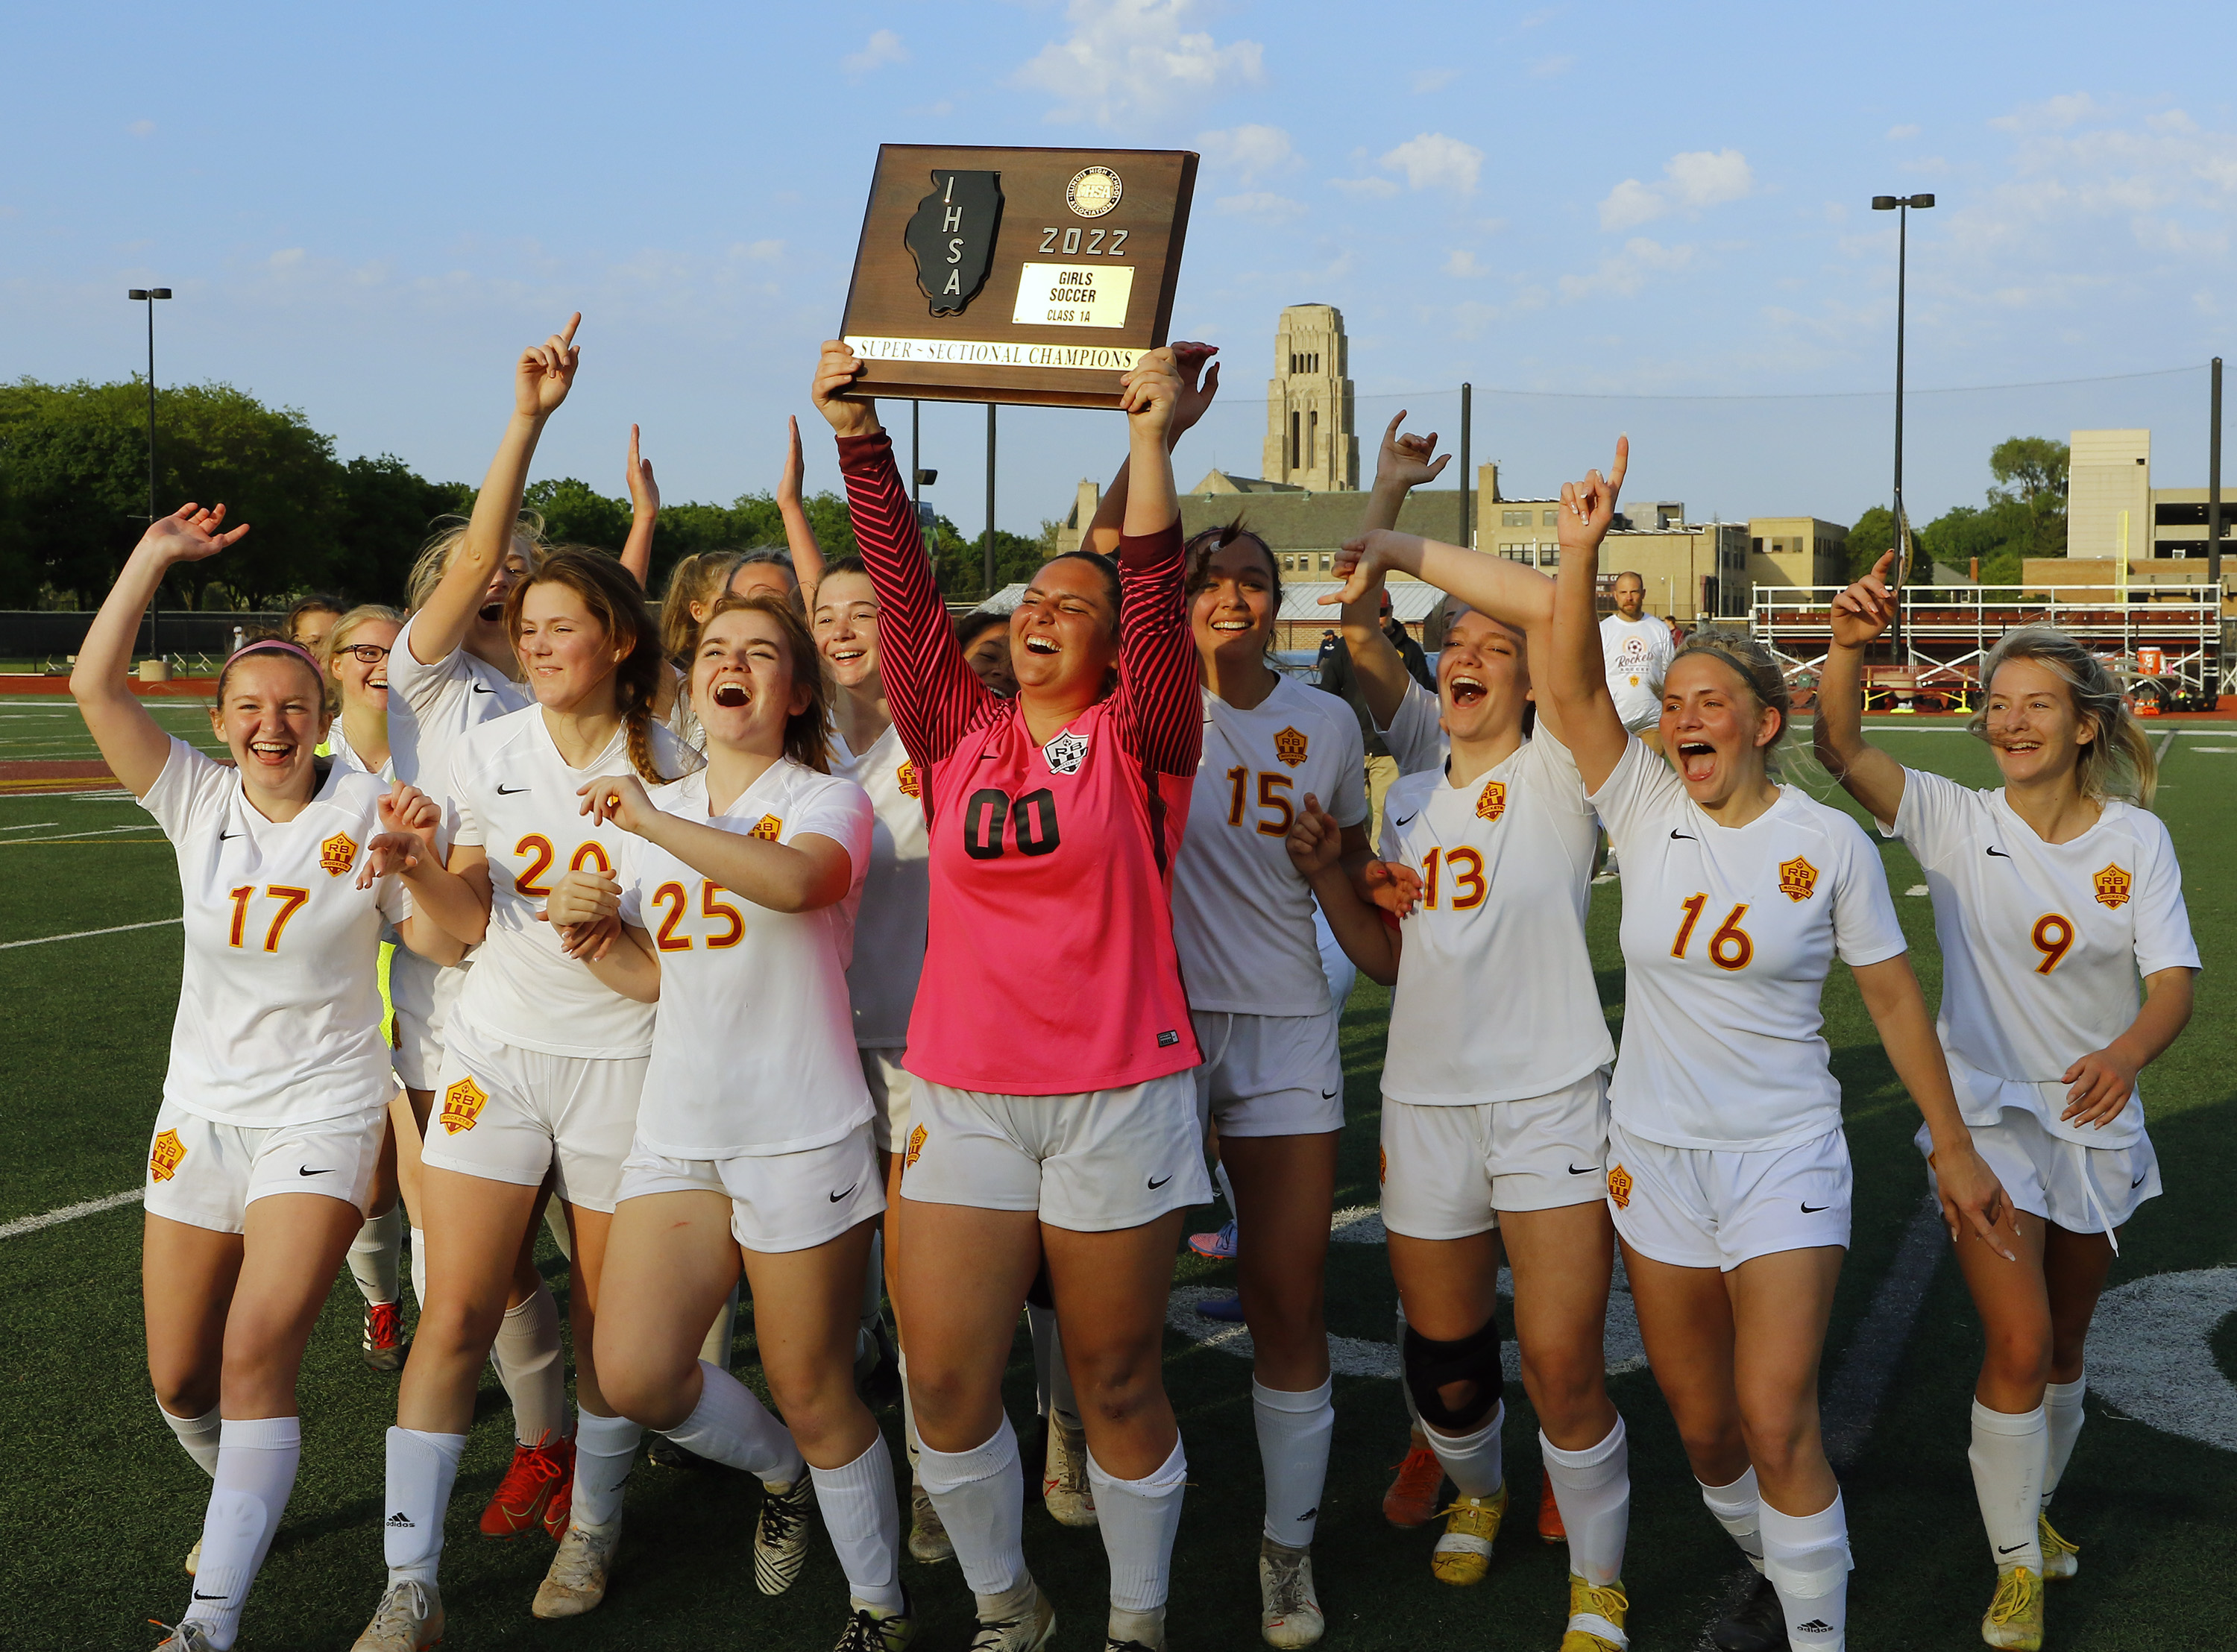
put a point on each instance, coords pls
(422, 1011)
(1713, 1207)
(206, 1173)
(2082, 1189)
(507, 1113)
(779, 1201)
(1269, 1074)
(1449, 1171)
(891, 1085)
(1091, 1162)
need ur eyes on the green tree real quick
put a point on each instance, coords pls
(386, 512)
(1870, 539)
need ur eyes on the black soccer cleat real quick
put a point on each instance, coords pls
(1758, 1623)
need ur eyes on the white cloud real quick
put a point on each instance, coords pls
(1435, 161)
(1898, 133)
(1463, 264)
(1623, 273)
(1262, 205)
(1251, 152)
(763, 252)
(2053, 114)
(882, 48)
(1376, 188)
(1690, 182)
(141, 128)
(1548, 68)
(1433, 80)
(1127, 59)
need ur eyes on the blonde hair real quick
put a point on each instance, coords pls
(610, 592)
(2117, 761)
(338, 639)
(700, 577)
(528, 544)
(1758, 673)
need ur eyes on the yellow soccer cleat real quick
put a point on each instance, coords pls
(1596, 1616)
(1463, 1554)
(2058, 1555)
(2015, 1616)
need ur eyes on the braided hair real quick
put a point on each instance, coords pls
(610, 593)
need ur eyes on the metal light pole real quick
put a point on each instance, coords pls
(149, 295)
(989, 577)
(1901, 206)
(2213, 486)
(1467, 526)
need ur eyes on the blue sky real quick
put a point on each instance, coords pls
(366, 211)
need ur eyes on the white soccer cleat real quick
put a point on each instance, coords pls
(1024, 1622)
(1289, 1611)
(194, 1558)
(187, 1638)
(2061, 1558)
(927, 1539)
(576, 1582)
(408, 1619)
(781, 1534)
(1064, 1489)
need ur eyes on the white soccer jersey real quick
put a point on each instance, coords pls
(890, 927)
(1636, 654)
(1495, 1000)
(1416, 739)
(1728, 934)
(754, 1049)
(2042, 943)
(1242, 917)
(279, 1019)
(431, 706)
(346, 757)
(513, 796)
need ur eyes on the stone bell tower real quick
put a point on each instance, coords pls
(1309, 442)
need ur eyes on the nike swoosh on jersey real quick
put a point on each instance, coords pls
(1157, 1182)
(837, 1197)
(504, 789)
(224, 836)
(1409, 820)
(484, 688)
(2139, 1182)
(1999, 853)
(1811, 1210)
(1688, 836)
(1327, 1095)
(1587, 1171)
(306, 1171)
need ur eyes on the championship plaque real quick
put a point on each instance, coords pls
(1016, 275)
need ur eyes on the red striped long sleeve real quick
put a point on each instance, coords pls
(1159, 708)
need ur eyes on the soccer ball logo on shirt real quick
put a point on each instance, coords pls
(1065, 752)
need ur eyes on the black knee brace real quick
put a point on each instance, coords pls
(1431, 1366)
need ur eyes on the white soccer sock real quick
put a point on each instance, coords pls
(731, 1425)
(1738, 1509)
(2061, 1409)
(716, 1349)
(2011, 1455)
(256, 1463)
(1473, 1462)
(1226, 1186)
(1041, 1322)
(198, 1434)
(605, 1450)
(421, 1470)
(526, 1353)
(864, 1520)
(419, 1265)
(1806, 1558)
(1592, 1488)
(981, 1496)
(1293, 1453)
(1138, 1519)
(372, 1256)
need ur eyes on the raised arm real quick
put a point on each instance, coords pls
(932, 690)
(1157, 671)
(1315, 849)
(1190, 361)
(541, 379)
(799, 536)
(645, 514)
(133, 746)
(1403, 464)
(1873, 778)
(1575, 682)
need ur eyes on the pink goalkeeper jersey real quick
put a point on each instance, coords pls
(1049, 966)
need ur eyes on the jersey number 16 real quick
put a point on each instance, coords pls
(1730, 948)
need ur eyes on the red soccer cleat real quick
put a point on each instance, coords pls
(1550, 1529)
(539, 1478)
(383, 1346)
(1413, 1499)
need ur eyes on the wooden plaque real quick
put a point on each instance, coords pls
(1016, 275)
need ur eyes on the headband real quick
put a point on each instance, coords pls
(277, 645)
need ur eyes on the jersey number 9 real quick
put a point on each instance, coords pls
(2053, 936)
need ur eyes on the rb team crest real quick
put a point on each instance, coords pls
(164, 1157)
(1065, 752)
(462, 1105)
(337, 854)
(1289, 747)
(1491, 802)
(1798, 880)
(906, 777)
(1620, 1188)
(2112, 885)
(915, 1146)
(767, 828)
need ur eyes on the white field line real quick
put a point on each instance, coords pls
(92, 832)
(85, 934)
(34, 825)
(68, 1212)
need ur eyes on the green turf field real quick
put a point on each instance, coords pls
(100, 1505)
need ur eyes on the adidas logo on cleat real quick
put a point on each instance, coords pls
(1815, 1626)
(402, 1523)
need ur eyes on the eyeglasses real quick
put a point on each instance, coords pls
(365, 653)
